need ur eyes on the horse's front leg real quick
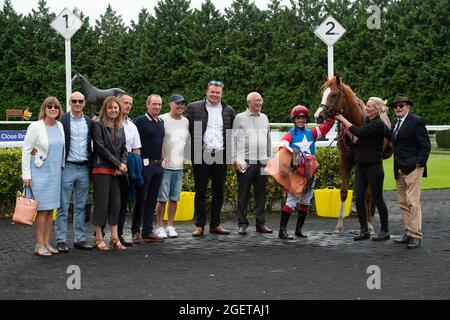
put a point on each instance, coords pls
(344, 193)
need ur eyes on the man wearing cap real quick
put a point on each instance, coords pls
(175, 140)
(210, 127)
(411, 150)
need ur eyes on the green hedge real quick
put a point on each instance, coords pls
(443, 139)
(10, 178)
(327, 176)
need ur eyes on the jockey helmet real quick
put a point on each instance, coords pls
(297, 110)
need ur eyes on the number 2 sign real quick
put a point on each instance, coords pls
(330, 31)
(66, 23)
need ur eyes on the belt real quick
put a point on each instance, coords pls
(155, 162)
(82, 163)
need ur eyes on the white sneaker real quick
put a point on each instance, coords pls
(160, 232)
(171, 232)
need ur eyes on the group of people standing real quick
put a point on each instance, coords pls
(143, 160)
(412, 146)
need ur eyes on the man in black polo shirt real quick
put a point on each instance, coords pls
(151, 132)
(209, 120)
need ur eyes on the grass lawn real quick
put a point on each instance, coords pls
(438, 168)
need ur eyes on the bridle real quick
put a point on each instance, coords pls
(332, 111)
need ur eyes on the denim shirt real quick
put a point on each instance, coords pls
(78, 139)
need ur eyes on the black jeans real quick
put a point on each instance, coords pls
(373, 176)
(245, 180)
(123, 203)
(146, 196)
(202, 174)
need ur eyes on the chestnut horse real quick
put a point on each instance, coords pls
(338, 97)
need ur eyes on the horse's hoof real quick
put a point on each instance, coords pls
(339, 229)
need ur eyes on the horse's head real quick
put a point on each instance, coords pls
(77, 78)
(332, 99)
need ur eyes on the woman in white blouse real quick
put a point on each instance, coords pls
(42, 160)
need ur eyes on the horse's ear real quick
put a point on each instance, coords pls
(325, 78)
(338, 79)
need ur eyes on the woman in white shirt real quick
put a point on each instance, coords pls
(42, 160)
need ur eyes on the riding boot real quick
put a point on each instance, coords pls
(283, 225)
(300, 221)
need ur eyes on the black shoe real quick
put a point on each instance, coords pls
(404, 240)
(300, 234)
(62, 247)
(413, 243)
(282, 234)
(362, 236)
(124, 242)
(381, 236)
(82, 245)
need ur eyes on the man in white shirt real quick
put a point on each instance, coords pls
(175, 141)
(210, 120)
(133, 143)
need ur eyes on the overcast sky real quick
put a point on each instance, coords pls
(128, 9)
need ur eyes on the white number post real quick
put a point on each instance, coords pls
(330, 31)
(67, 24)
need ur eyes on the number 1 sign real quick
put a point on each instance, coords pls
(330, 31)
(67, 24)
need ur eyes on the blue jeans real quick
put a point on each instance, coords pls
(74, 178)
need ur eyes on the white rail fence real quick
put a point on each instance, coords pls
(277, 132)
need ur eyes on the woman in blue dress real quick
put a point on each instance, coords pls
(42, 159)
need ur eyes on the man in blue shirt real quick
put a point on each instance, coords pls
(75, 175)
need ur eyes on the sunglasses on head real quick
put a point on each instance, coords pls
(400, 105)
(216, 83)
(52, 106)
(74, 101)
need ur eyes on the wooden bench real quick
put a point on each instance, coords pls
(13, 113)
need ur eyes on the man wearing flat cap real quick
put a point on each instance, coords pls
(411, 150)
(175, 141)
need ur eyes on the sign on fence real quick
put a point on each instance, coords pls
(12, 135)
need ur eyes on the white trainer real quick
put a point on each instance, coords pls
(171, 232)
(160, 232)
